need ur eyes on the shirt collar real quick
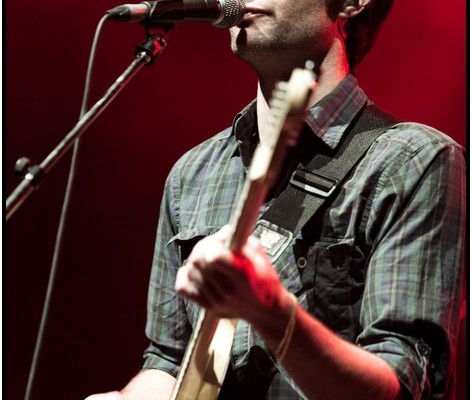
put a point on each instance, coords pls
(328, 119)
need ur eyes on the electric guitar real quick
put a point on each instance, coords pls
(208, 352)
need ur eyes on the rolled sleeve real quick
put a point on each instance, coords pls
(412, 300)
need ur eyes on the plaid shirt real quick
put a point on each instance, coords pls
(383, 271)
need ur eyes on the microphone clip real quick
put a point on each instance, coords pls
(154, 45)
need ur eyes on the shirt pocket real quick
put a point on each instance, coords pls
(332, 274)
(185, 241)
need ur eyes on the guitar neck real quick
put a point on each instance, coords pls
(253, 193)
(207, 357)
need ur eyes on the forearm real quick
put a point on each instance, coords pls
(322, 364)
(148, 384)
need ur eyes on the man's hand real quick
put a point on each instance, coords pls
(243, 285)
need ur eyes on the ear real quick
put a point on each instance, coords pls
(353, 7)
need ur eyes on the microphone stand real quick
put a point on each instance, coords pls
(146, 53)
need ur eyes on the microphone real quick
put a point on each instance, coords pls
(220, 13)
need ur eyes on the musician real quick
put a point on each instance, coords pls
(364, 302)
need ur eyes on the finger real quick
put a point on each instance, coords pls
(218, 284)
(214, 241)
(224, 233)
(184, 285)
(255, 252)
(210, 254)
(192, 283)
(208, 250)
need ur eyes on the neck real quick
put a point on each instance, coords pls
(329, 73)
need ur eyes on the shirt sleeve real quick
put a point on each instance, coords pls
(167, 324)
(411, 305)
(197, 200)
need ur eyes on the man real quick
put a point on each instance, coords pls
(364, 303)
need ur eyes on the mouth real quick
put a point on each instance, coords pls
(251, 14)
(254, 11)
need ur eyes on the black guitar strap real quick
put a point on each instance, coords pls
(310, 187)
(318, 182)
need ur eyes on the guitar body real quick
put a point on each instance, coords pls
(207, 356)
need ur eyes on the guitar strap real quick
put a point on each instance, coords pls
(318, 182)
(310, 188)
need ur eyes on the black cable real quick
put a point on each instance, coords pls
(62, 219)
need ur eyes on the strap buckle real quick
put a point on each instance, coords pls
(314, 182)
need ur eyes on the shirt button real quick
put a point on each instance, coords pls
(423, 348)
(239, 375)
(301, 262)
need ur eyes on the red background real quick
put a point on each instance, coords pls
(94, 339)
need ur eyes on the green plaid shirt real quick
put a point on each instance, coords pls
(383, 271)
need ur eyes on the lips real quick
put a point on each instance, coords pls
(255, 10)
(252, 13)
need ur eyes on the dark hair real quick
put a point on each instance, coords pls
(360, 31)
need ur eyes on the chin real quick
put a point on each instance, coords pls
(238, 40)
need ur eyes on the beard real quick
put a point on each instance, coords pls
(269, 47)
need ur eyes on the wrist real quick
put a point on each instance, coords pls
(277, 324)
(284, 343)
